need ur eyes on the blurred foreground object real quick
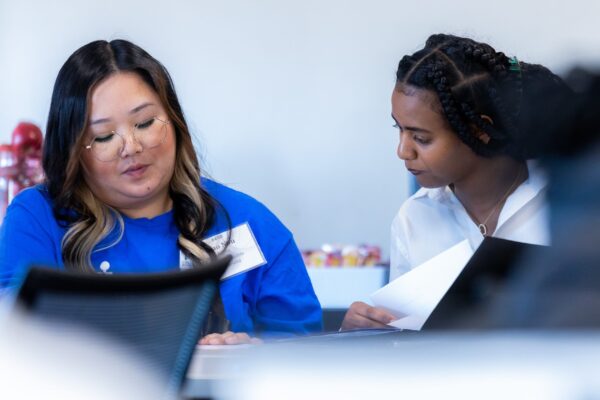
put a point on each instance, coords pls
(156, 316)
(561, 290)
(58, 361)
(460, 365)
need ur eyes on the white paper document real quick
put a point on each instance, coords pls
(413, 296)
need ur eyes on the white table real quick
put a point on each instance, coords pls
(338, 287)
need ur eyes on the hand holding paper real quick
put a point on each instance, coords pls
(362, 316)
(415, 294)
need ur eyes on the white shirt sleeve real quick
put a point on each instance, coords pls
(399, 260)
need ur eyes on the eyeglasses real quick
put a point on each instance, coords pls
(109, 147)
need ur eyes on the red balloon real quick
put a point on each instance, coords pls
(27, 139)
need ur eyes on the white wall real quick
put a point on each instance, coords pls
(289, 99)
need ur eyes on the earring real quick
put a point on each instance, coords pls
(487, 118)
(484, 138)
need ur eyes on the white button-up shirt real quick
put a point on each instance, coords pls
(433, 220)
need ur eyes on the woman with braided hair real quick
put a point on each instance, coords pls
(461, 111)
(124, 193)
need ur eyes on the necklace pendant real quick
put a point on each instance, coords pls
(482, 229)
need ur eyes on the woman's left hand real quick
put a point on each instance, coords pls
(229, 338)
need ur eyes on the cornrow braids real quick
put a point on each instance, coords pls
(497, 64)
(472, 80)
(438, 75)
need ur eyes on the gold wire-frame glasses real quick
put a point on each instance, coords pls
(109, 147)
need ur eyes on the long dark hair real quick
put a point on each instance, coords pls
(480, 89)
(89, 221)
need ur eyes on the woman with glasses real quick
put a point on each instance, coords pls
(124, 194)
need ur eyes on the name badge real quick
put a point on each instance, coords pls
(184, 261)
(243, 248)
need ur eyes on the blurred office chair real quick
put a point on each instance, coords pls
(158, 316)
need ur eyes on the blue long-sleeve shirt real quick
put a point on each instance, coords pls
(274, 297)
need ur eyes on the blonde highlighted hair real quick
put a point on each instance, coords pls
(88, 221)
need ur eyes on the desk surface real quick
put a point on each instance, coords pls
(559, 366)
(210, 367)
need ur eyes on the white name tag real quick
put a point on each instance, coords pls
(184, 261)
(242, 247)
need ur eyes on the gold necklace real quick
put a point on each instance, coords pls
(482, 225)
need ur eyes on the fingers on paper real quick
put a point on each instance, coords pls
(228, 338)
(362, 315)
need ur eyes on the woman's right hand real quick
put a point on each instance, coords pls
(229, 338)
(362, 315)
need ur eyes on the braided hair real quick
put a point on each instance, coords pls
(479, 89)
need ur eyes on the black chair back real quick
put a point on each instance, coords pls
(159, 316)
